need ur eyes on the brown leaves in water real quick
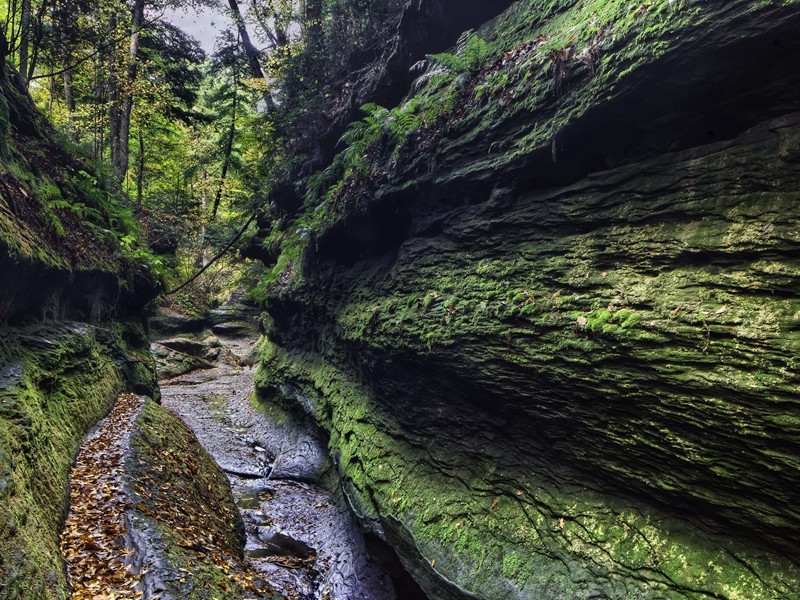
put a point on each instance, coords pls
(92, 542)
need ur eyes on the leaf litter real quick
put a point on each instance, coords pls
(169, 487)
(93, 540)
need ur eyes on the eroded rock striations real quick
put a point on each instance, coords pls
(552, 333)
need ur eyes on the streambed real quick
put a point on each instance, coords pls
(299, 536)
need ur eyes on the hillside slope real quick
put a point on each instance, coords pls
(74, 281)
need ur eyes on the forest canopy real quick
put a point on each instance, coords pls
(191, 141)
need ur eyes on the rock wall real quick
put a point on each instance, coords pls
(56, 381)
(551, 336)
(70, 337)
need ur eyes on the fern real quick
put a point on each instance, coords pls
(378, 124)
(471, 55)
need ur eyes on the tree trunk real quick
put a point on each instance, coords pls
(3, 52)
(250, 50)
(69, 101)
(52, 98)
(114, 112)
(140, 173)
(228, 149)
(276, 33)
(313, 24)
(3, 56)
(203, 208)
(281, 37)
(24, 40)
(36, 36)
(123, 156)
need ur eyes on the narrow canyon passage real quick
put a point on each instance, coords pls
(134, 482)
(400, 300)
(304, 541)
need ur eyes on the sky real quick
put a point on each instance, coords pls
(203, 25)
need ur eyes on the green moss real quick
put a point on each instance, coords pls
(56, 384)
(488, 531)
(203, 537)
(608, 332)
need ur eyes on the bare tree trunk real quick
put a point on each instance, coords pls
(3, 56)
(250, 50)
(114, 112)
(203, 208)
(228, 149)
(52, 97)
(24, 40)
(69, 96)
(140, 173)
(35, 36)
(3, 52)
(69, 101)
(123, 156)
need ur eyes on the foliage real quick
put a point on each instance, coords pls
(395, 124)
(471, 55)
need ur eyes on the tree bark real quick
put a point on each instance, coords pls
(114, 112)
(123, 156)
(203, 208)
(140, 173)
(35, 36)
(313, 15)
(252, 53)
(228, 149)
(3, 56)
(3, 45)
(24, 39)
(69, 102)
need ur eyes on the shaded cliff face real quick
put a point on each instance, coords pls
(70, 339)
(552, 334)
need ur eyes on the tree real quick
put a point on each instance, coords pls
(313, 25)
(123, 156)
(253, 55)
(24, 38)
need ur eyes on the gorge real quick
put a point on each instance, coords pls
(517, 320)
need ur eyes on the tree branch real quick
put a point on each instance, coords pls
(222, 253)
(98, 50)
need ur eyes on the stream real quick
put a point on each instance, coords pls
(302, 539)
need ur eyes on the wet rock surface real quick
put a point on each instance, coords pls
(300, 537)
(165, 323)
(152, 516)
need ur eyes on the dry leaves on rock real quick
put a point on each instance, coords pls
(92, 542)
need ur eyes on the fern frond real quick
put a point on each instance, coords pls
(463, 40)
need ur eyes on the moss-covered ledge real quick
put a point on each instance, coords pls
(470, 524)
(56, 381)
(595, 382)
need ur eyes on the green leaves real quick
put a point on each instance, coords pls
(471, 55)
(379, 122)
(362, 138)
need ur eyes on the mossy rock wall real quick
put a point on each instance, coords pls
(185, 530)
(56, 381)
(70, 340)
(554, 344)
